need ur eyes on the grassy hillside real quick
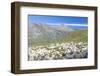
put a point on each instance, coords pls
(75, 36)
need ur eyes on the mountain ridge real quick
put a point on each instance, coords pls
(40, 33)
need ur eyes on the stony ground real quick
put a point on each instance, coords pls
(57, 51)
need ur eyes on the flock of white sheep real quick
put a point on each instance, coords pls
(71, 50)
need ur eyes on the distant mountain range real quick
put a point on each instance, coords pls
(39, 33)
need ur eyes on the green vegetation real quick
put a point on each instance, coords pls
(75, 36)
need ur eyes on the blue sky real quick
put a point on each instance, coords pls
(72, 21)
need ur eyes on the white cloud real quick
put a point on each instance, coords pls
(77, 24)
(67, 24)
